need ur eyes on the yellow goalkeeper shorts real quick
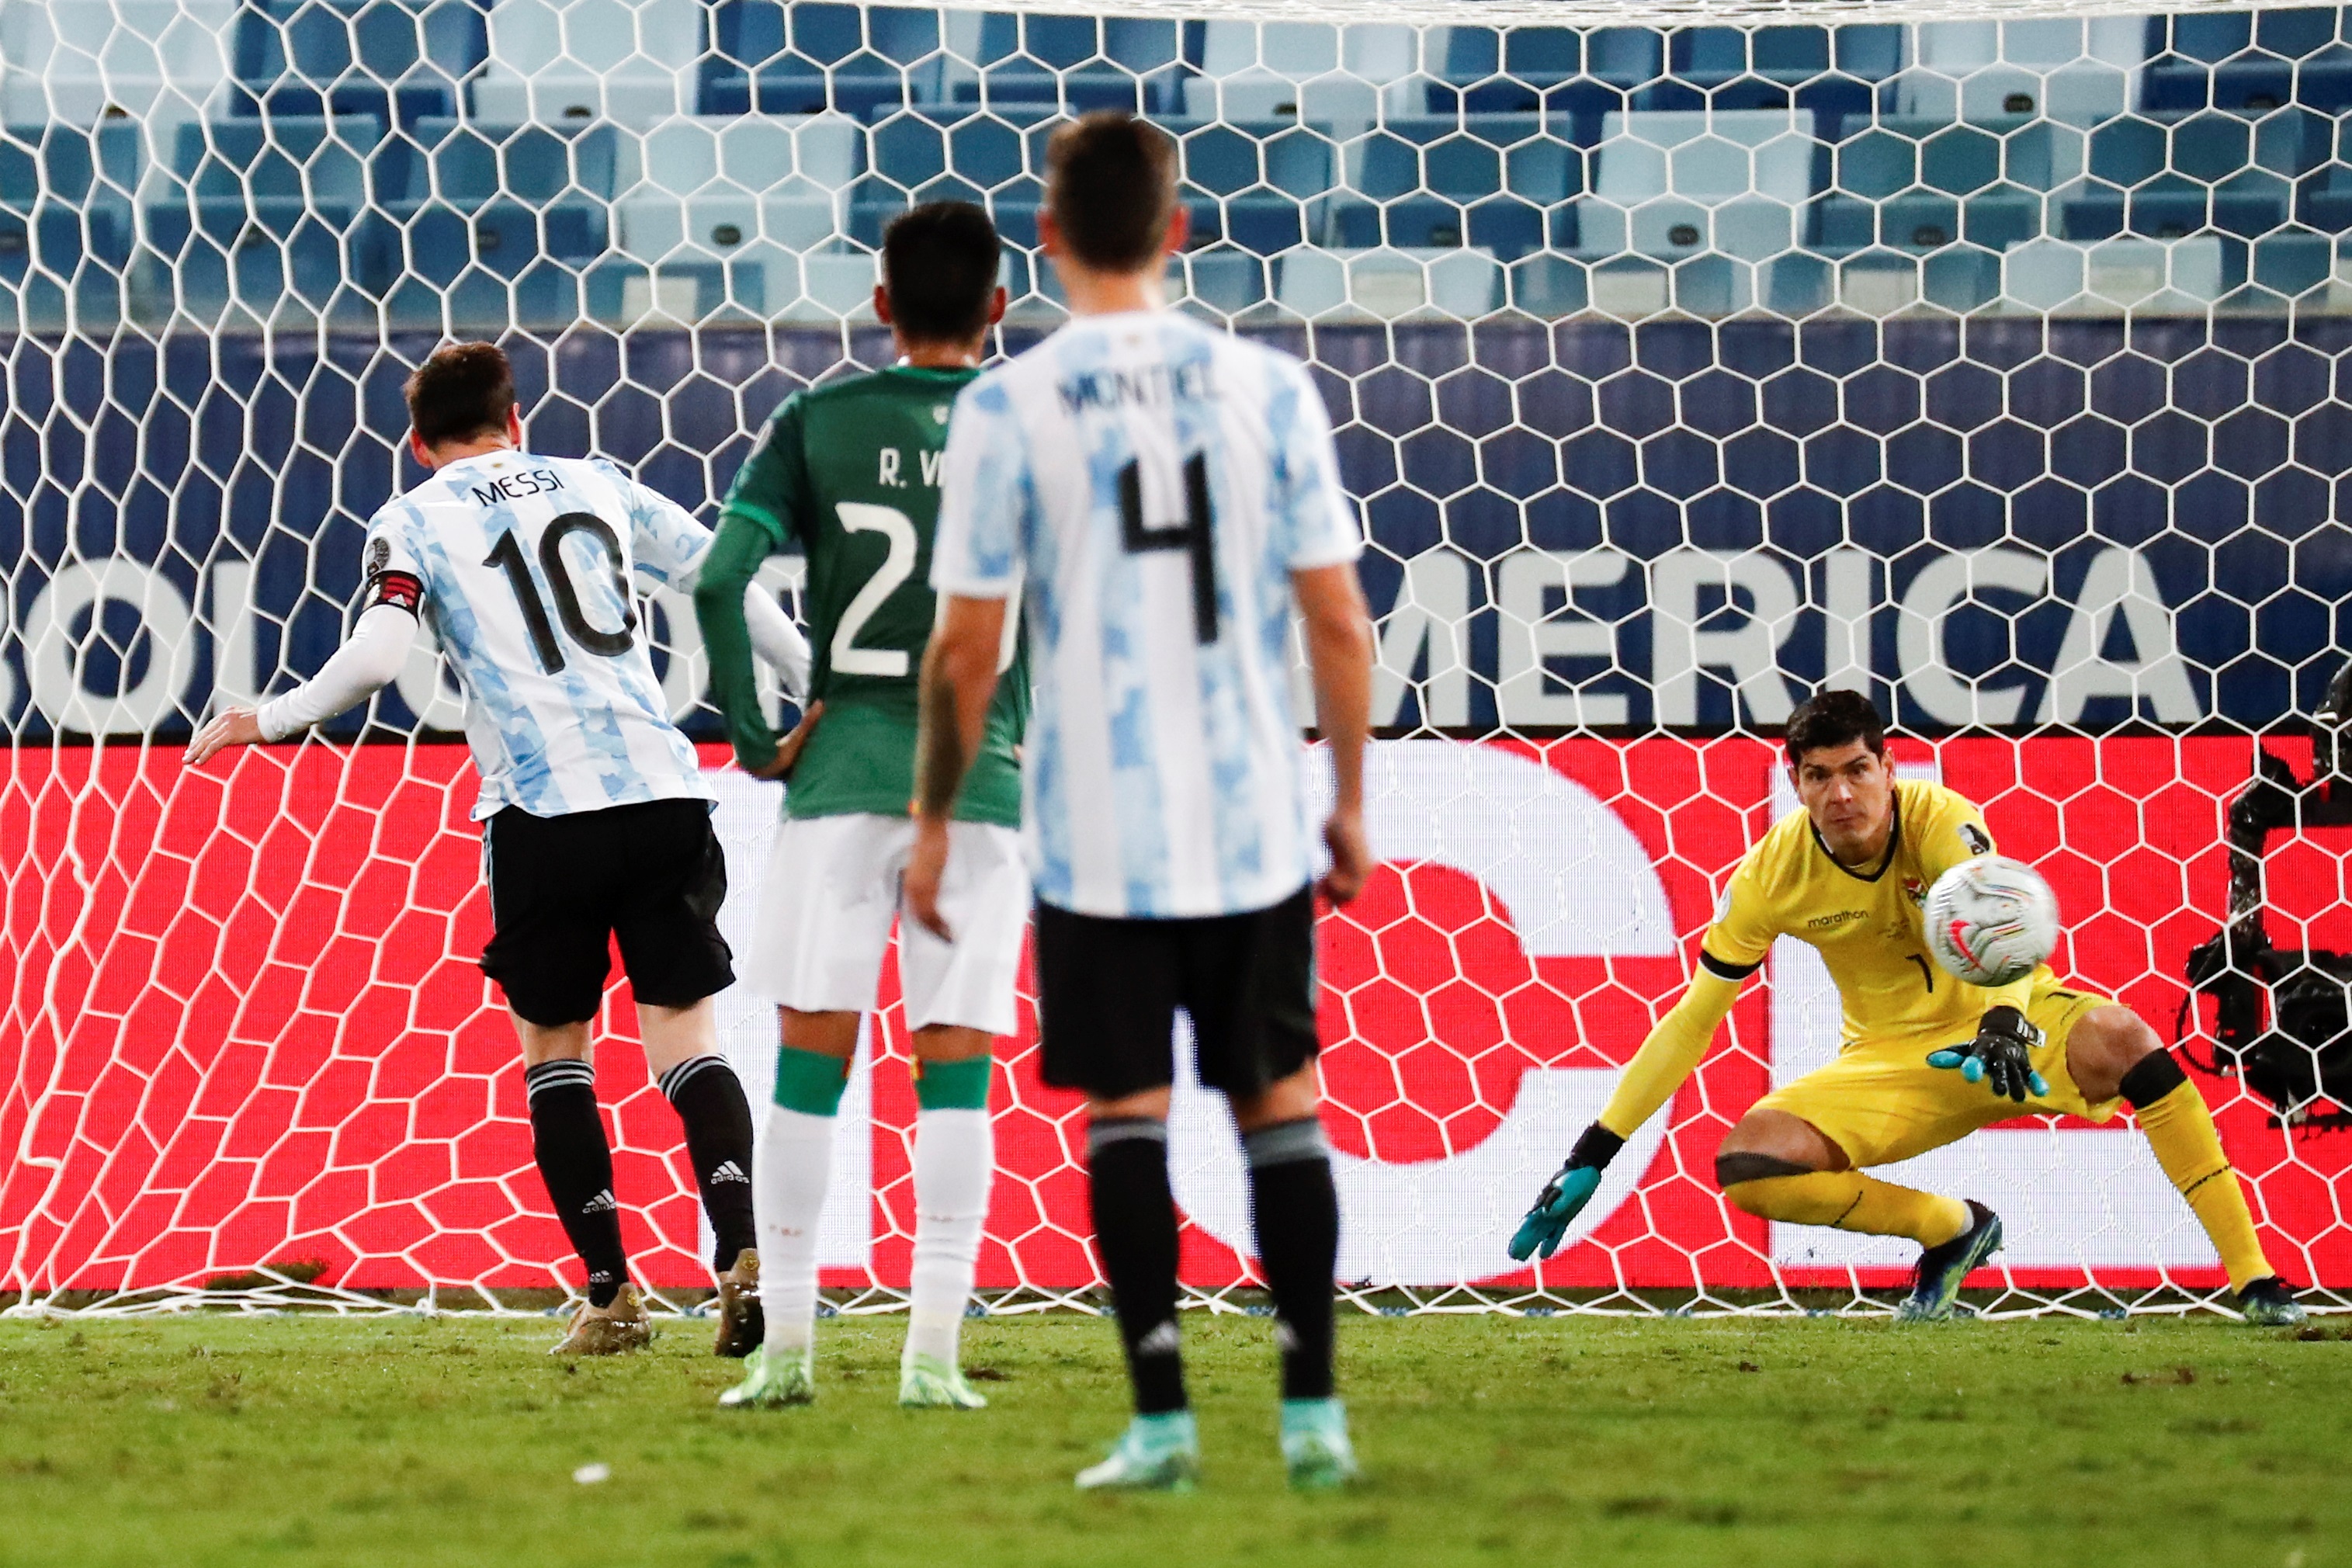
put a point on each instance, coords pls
(1881, 1102)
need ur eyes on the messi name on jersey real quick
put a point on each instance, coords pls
(504, 488)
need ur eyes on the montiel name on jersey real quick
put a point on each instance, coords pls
(1138, 386)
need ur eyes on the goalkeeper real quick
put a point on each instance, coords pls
(849, 473)
(1925, 1059)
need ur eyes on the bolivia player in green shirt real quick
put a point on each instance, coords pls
(848, 472)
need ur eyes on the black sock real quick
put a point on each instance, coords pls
(709, 1099)
(567, 1137)
(1295, 1212)
(1135, 1231)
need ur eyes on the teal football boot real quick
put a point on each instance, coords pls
(2270, 1304)
(1315, 1447)
(1941, 1269)
(1156, 1453)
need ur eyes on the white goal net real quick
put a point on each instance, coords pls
(1683, 360)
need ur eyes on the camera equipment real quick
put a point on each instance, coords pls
(2299, 1056)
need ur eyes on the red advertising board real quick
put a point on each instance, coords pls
(243, 1024)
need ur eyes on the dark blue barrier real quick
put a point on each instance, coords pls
(1676, 509)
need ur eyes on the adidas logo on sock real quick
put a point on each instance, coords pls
(1286, 1338)
(729, 1171)
(1161, 1341)
(602, 1202)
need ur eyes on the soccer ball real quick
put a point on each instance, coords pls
(1992, 920)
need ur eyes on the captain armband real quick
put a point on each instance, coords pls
(402, 589)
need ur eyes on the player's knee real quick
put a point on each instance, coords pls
(1292, 1098)
(1737, 1168)
(2111, 1045)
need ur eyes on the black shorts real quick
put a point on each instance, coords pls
(1108, 991)
(563, 888)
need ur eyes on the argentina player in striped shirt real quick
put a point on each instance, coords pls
(1163, 496)
(596, 818)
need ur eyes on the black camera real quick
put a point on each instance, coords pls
(2283, 1016)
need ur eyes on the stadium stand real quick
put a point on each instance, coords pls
(527, 161)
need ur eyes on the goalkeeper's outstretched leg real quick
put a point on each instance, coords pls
(1777, 1165)
(1793, 1157)
(2111, 1053)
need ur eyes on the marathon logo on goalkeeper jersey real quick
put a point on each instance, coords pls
(1151, 485)
(529, 594)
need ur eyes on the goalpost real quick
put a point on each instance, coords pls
(1989, 358)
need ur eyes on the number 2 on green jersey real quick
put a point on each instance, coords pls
(898, 530)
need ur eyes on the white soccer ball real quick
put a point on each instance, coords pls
(1992, 920)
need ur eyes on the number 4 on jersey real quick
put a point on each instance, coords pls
(1194, 535)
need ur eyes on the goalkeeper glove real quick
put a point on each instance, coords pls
(2001, 1055)
(1539, 1235)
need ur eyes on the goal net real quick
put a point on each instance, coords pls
(1994, 367)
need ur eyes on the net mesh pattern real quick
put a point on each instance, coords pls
(1995, 366)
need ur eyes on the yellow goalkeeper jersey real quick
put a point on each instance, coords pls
(1866, 923)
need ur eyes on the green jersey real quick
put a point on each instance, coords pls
(848, 472)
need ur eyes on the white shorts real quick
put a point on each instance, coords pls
(832, 893)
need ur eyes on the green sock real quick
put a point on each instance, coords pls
(809, 1082)
(953, 1086)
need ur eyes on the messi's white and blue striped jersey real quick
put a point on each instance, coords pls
(1149, 485)
(521, 567)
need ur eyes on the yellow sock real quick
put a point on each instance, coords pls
(1848, 1200)
(2181, 1129)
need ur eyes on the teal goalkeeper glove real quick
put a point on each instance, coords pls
(2000, 1054)
(1539, 1235)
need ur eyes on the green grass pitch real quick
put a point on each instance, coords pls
(215, 1440)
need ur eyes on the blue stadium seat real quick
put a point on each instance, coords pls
(771, 58)
(1465, 157)
(1918, 222)
(503, 217)
(730, 208)
(261, 208)
(1259, 224)
(1225, 280)
(468, 163)
(563, 59)
(401, 61)
(2324, 197)
(1079, 64)
(2289, 263)
(1573, 81)
(1510, 229)
(2173, 208)
(1223, 158)
(1885, 156)
(2168, 174)
(65, 223)
(68, 163)
(1577, 79)
(2242, 62)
